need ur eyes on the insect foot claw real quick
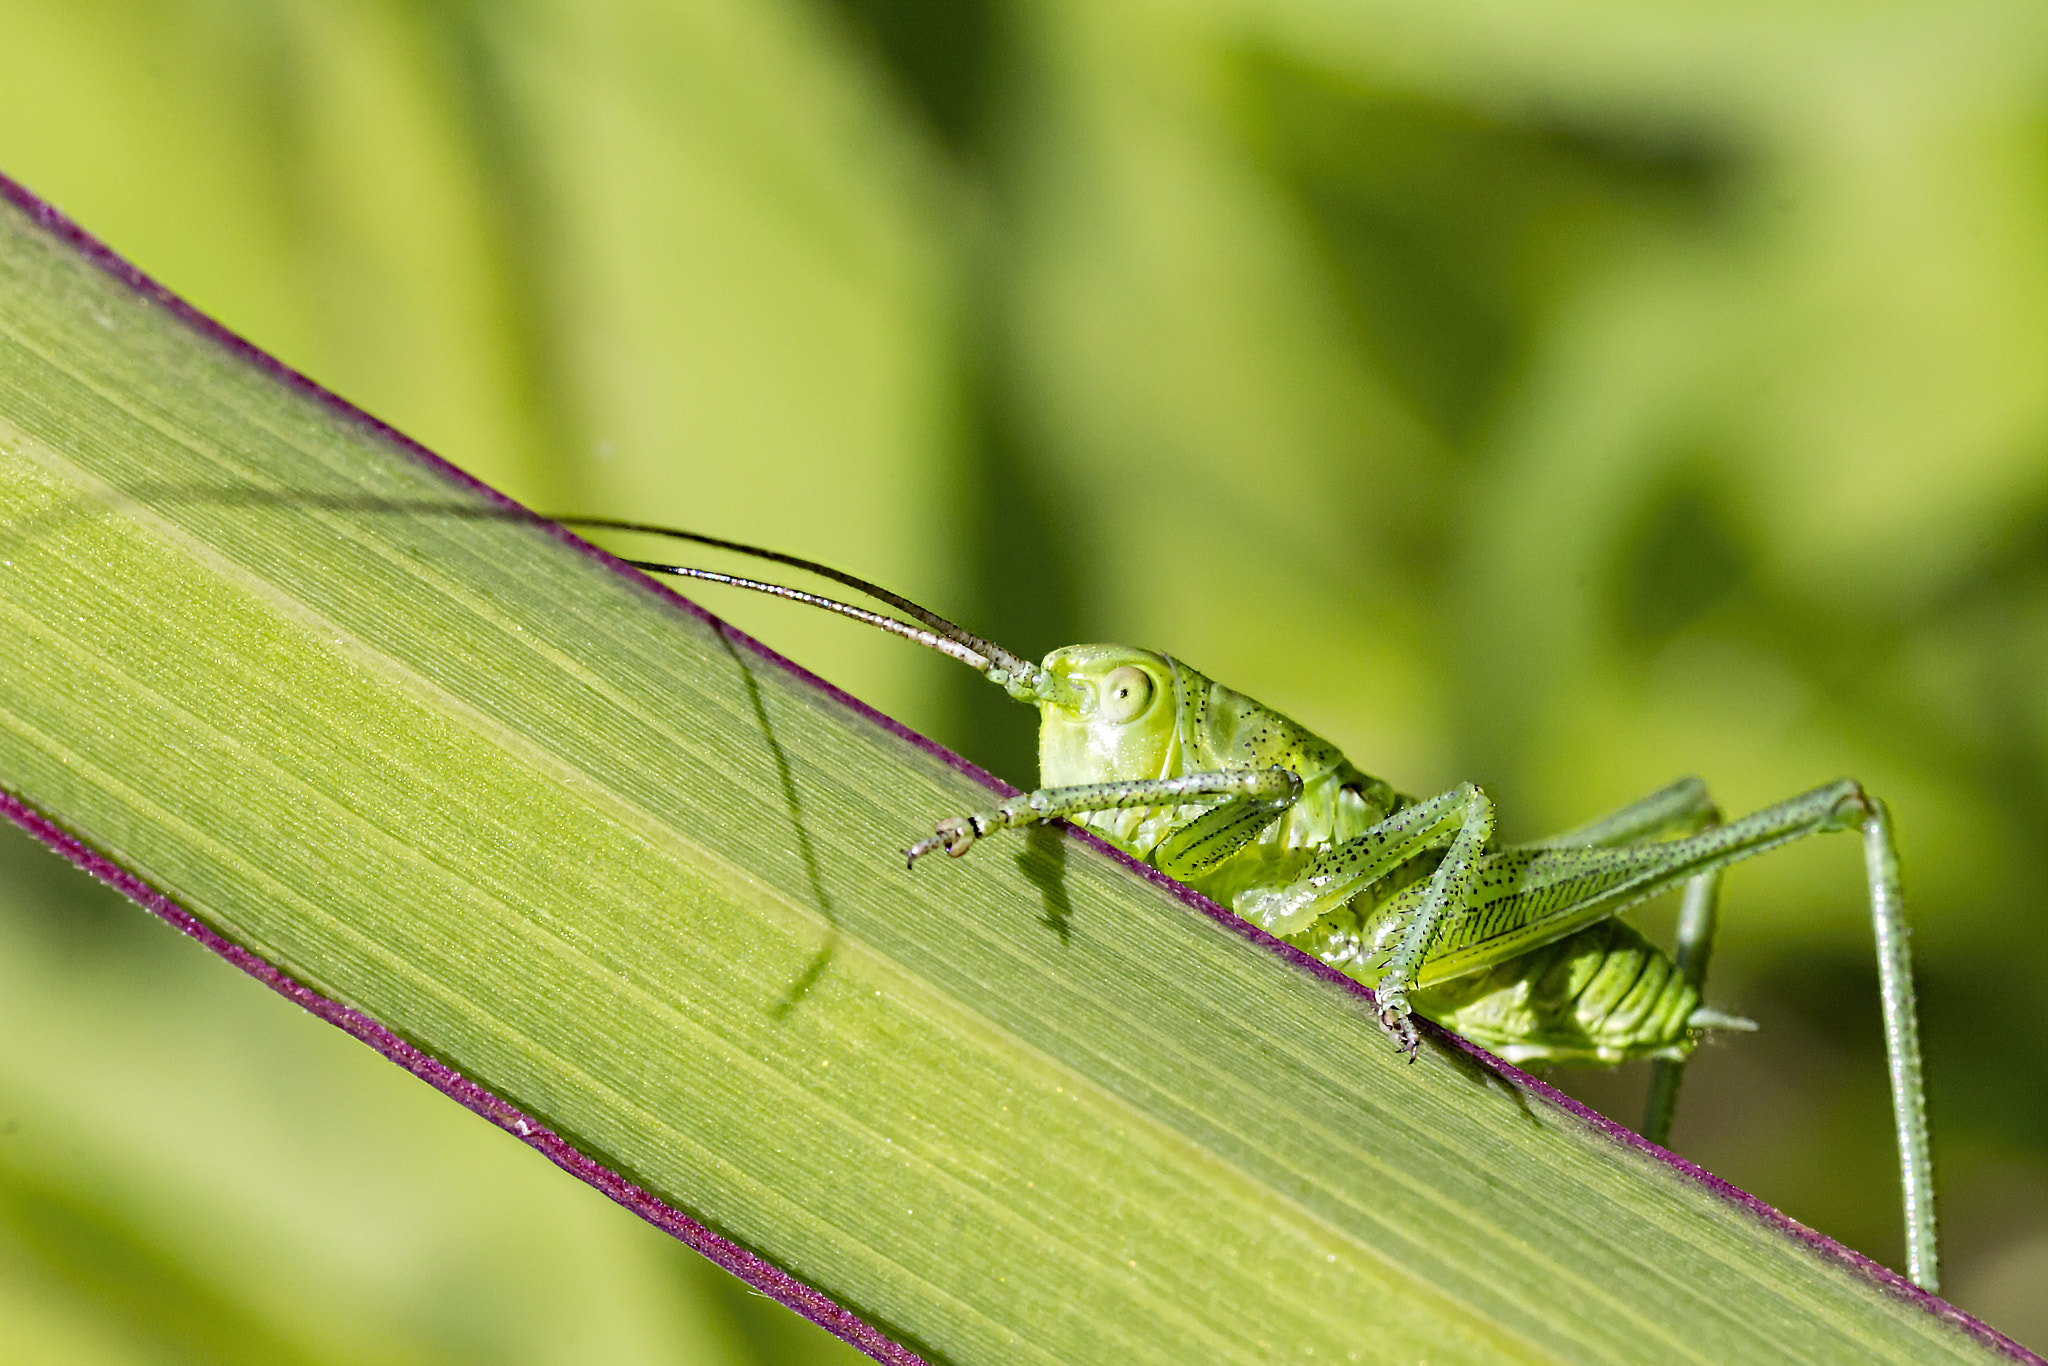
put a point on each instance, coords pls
(1394, 1018)
(954, 835)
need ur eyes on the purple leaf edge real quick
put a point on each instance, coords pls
(757, 1272)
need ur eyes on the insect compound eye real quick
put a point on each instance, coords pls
(1126, 693)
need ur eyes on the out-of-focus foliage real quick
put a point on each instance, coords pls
(1562, 397)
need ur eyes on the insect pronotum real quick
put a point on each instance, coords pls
(1516, 947)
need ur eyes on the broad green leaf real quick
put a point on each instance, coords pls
(637, 877)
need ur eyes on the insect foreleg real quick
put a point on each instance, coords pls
(1269, 789)
(1198, 845)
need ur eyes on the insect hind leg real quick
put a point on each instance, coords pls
(1902, 1039)
(1845, 805)
(1698, 917)
(1683, 808)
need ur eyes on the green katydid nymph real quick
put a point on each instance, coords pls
(1515, 947)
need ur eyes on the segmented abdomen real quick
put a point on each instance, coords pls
(1602, 995)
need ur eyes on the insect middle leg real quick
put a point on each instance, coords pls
(1459, 821)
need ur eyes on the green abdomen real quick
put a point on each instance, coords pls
(1602, 995)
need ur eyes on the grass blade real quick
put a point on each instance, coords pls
(626, 883)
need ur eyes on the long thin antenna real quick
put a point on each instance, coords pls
(931, 639)
(994, 653)
(1018, 675)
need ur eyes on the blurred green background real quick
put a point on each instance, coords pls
(1564, 397)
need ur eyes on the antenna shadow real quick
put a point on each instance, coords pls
(806, 851)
